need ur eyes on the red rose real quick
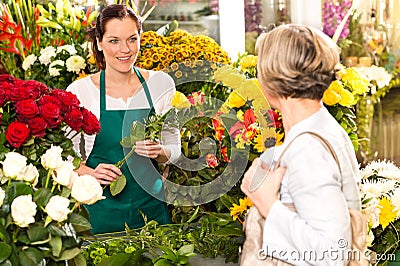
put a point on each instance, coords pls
(67, 98)
(27, 108)
(38, 126)
(51, 113)
(3, 97)
(17, 133)
(49, 99)
(91, 124)
(6, 77)
(20, 92)
(74, 119)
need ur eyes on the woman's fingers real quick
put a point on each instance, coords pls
(148, 148)
(106, 173)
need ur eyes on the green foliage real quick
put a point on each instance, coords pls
(208, 234)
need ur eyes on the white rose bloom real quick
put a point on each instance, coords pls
(69, 48)
(23, 210)
(31, 174)
(29, 61)
(64, 174)
(46, 54)
(53, 69)
(52, 159)
(2, 196)
(75, 63)
(14, 164)
(86, 189)
(57, 208)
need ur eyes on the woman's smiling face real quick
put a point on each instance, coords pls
(120, 44)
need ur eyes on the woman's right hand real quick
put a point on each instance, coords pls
(106, 173)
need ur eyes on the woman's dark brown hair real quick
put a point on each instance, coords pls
(114, 11)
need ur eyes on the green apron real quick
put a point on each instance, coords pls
(112, 213)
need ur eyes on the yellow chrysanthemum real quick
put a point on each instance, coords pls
(180, 101)
(387, 214)
(235, 100)
(248, 61)
(359, 86)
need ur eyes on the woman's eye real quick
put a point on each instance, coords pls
(133, 39)
(113, 41)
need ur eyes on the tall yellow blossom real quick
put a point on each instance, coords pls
(387, 214)
(180, 101)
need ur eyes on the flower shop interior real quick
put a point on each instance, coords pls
(208, 49)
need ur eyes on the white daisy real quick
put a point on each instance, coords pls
(46, 54)
(69, 48)
(53, 69)
(75, 63)
(377, 188)
(29, 61)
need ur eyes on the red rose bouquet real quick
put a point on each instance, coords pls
(41, 197)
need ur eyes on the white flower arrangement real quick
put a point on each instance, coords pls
(378, 76)
(380, 194)
(57, 67)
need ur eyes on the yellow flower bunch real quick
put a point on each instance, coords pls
(347, 89)
(256, 126)
(160, 53)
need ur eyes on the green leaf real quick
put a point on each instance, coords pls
(79, 222)
(56, 245)
(115, 260)
(5, 251)
(42, 196)
(16, 189)
(37, 233)
(163, 262)
(77, 261)
(137, 258)
(68, 254)
(228, 231)
(56, 231)
(3, 233)
(118, 185)
(185, 250)
(30, 256)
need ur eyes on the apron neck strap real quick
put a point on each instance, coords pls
(103, 89)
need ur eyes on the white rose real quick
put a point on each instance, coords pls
(14, 164)
(86, 189)
(23, 210)
(2, 196)
(57, 208)
(64, 174)
(29, 174)
(52, 159)
(3, 178)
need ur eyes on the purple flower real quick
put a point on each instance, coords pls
(333, 14)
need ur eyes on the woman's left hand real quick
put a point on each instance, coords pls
(268, 193)
(148, 148)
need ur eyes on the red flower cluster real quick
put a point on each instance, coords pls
(29, 108)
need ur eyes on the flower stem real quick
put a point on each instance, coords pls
(123, 161)
(47, 178)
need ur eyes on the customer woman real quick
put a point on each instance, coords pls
(118, 95)
(296, 64)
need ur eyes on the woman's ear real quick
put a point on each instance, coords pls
(98, 45)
